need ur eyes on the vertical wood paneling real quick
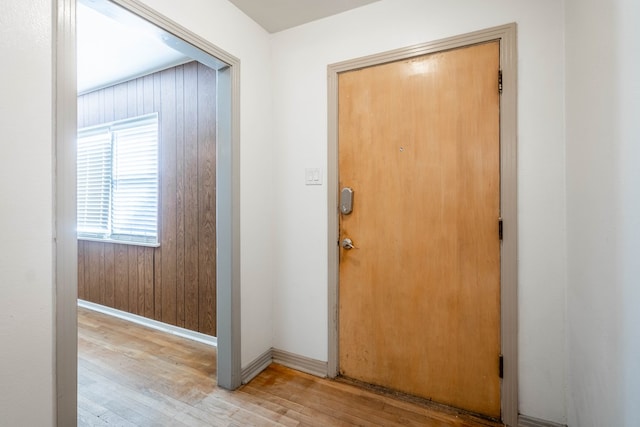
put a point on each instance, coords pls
(153, 101)
(206, 198)
(191, 196)
(109, 107)
(109, 275)
(121, 278)
(120, 101)
(142, 272)
(102, 277)
(81, 292)
(168, 162)
(175, 282)
(101, 112)
(90, 269)
(148, 283)
(92, 115)
(133, 279)
(132, 97)
(140, 93)
(157, 284)
(180, 293)
(93, 270)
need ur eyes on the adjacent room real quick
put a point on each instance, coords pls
(146, 172)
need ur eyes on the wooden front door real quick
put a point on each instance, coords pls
(419, 294)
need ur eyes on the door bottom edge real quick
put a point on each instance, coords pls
(421, 401)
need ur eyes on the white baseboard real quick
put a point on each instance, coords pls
(300, 363)
(150, 323)
(290, 360)
(258, 365)
(525, 421)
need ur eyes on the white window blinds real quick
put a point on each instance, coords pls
(94, 181)
(118, 181)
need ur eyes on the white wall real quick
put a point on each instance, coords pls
(26, 226)
(603, 211)
(603, 198)
(300, 59)
(26, 210)
(225, 26)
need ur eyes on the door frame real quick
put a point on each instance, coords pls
(506, 35)
(64, 209)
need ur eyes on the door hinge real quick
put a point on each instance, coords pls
(499, 81)
(500, 228)
(501, 366)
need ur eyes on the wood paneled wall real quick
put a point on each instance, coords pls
(176, 282)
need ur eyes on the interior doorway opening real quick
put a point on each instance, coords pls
(147, 134)
(220, 168)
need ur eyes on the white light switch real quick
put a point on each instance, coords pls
(312, 176)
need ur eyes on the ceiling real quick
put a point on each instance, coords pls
(278, 15)
(114, 45)
(112, 50)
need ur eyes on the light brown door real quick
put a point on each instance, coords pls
(419, 295)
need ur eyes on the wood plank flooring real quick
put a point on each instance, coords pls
(129, 375)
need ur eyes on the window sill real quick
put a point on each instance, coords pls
(120, 242)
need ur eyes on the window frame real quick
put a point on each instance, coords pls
(112, 128)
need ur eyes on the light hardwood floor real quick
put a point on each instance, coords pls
(129, 375)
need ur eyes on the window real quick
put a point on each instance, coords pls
(118, 181)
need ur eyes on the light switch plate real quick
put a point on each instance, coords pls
(312, 176)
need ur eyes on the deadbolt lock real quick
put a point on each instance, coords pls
(346, 201)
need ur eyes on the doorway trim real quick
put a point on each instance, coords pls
(506, 34)
(64, 209)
